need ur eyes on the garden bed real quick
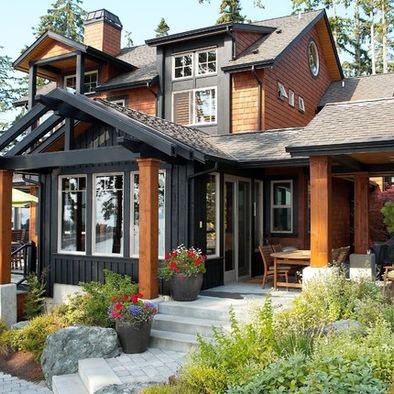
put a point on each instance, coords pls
(22, 365)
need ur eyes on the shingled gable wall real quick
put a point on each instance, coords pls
(293, 72)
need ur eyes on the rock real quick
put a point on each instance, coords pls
(342, 325)
(65, 347)
(127, 388)
(19, 325)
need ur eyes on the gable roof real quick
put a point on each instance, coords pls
(288, 30)
(339, 128)
(362, 88)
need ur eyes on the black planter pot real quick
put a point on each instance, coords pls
(134, 338)
(185, 288)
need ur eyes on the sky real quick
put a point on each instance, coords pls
(137, 16)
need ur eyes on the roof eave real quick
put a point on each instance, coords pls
(302, 161)
(246, 66)
(127, 85)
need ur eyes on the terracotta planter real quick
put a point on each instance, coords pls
(185, 288)
(134, 338)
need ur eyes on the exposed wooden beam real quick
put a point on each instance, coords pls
(349, 162)
(49, 60)
(66, 159)
(35, 135)
(22, 124)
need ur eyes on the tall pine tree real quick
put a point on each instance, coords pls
(230, 11)
(162, 28)
(65, 17)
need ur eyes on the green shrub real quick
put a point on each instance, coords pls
(91, 307)
(177, 388)
(233, 356)
(5, 339)
(32, 337)
(34, 303)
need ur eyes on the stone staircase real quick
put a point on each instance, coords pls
(174, 329)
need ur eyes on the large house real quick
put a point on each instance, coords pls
(222, 137)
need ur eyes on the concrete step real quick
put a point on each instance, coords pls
(211, 311)
(68, 384)
(172, 341)
(95, 373)
(185, 325)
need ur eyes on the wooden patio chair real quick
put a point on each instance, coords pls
(339, 256)
(276, 248)
(268, 261)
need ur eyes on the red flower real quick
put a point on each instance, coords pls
(167, 256)
(139, 295)
(173, 266)
(134, 298)
(190, 253)
(197, 262)
(118, 306)
(125, 297)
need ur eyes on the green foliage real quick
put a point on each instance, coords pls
(34, 304)
(177, 388)
(234, 356)
(162, 28)
(388, 216)
(230, 11)
(91, 308)
(65, 17)
(5, 339)
(32, 337)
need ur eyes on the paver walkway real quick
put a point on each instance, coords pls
(11, 384)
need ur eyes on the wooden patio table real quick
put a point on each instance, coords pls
(294, 257)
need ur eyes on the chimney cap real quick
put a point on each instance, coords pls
(105, 16)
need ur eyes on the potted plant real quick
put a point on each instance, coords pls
(184, 268)
(133, 321)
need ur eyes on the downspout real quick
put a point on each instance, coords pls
(234, 46)
(149, 87)
(259, 94)
(189, 178)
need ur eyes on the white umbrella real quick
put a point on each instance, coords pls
(21, 199)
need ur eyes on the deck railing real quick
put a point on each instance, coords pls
(23, 259)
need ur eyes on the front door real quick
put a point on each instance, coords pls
(237, 228)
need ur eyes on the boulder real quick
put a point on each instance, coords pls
(65, 347)
(343, 325)
(127, 388)
(19, 325)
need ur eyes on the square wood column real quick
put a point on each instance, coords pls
(5, 226)
(33, 217)
(361, 231)
(148, 227)
(320, 171)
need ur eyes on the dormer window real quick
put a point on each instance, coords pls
(194, 64)
(90, 82)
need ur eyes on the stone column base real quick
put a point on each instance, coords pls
(8, 303)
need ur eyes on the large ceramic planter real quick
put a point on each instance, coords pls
(134, 338)
(185, 288)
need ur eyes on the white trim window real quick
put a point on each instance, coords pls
(72, 214)
(291, 98)
(301, 104)
(313, 58)
(282, 206)
(108, 214)
(134, 211)
(213, 215)
(90, 81)
(121, 102)
(282, 94)
(195, 107)
(194, 64)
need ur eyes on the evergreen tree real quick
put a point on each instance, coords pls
(65, 17)
(230, 11)
(129, 39)
(162, 28)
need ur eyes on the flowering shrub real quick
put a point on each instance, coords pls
(182, 260)
(130, 308)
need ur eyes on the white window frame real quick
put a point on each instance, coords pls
(59, 215)
(121, 102)
(217, 216)
(67, 77)
(282, 94)
(301, 104)
(273, 207)
(291, 98)
(197, 73)
(132, 173)
(192, 97)
(313, 47)
(191, 66)
(94, 176)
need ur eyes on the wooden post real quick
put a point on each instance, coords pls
(148, 227)
(320, 170)
(5, 226)
(33, 217)
(361, 233)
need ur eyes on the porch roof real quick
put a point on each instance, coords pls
(356, 128)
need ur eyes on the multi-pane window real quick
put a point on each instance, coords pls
(72, 223)
(90, 81)
(135, 213)
(282, 206)
(212, 209)
(183, 66)
(108, 214)
(199, 63)
(196, 106)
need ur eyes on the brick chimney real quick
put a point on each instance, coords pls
(103, 31)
